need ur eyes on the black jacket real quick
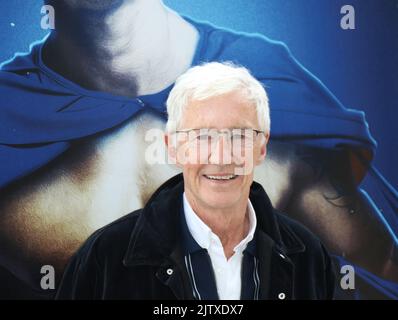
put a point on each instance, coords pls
(140, 255)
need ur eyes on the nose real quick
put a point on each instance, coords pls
(220, 150)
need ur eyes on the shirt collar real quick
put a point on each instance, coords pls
(202, 234)
(252, 228)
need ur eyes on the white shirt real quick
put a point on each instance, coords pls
(227, 272)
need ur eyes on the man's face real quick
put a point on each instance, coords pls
(213, 176)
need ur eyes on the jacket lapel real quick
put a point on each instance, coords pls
(276, 271)
(173, 274)
(275, 242)
(155, 239)
(281, 285)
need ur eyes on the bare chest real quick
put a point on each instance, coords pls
(107, 176)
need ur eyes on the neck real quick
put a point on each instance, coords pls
(230, 224)
(135, 48)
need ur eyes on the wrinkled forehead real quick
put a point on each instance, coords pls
(231, 110)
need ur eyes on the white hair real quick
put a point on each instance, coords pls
(214, 79)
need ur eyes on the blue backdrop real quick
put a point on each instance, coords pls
(359, 66)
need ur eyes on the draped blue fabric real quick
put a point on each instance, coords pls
(41, 112)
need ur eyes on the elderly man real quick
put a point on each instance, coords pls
(210, 233)
(73, 134)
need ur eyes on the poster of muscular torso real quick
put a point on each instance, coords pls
(83, 82)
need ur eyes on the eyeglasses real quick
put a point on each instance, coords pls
(237, 138)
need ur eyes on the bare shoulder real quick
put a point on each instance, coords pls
(287, 168)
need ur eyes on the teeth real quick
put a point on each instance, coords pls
(228, 177)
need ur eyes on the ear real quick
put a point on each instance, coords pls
(171, 144)
(263, 149)
(171, 149)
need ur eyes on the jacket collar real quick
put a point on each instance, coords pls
(156, 234)
(156, 241)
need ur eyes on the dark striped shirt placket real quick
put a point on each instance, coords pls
(188, 264)
(256, 279)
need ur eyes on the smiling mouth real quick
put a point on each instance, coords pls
(225, 177)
